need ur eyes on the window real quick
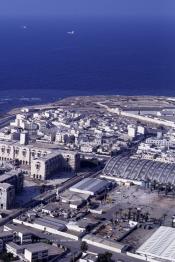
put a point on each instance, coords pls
(17, 151)
(24, 152)
(8, 150)
(39, 153)
(3, 149)
(33, 153)
(38, 165)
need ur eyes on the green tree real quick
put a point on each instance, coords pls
(106, 257)
(84, 246)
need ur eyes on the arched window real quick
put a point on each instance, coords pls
(39, 153)
(16, 151)
(8, 150)
(24, 153)
(38, 165)
(3, 149)
(33, 153)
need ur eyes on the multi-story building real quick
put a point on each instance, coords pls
(13, 178)
(43, 167)
(49, 157)
(6, 237)
(7, 196)
(37, 252)
(21, 233)
(13, 150)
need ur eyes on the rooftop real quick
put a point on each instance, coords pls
(89, 186)
(5, 186)
(36, 247)
(140, 169)
(103, 241)
(160, 245)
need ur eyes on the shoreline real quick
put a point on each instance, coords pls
(84, 100)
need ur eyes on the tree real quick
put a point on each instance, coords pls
(84, 246)
(106, 257)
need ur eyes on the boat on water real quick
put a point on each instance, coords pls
(71, 32)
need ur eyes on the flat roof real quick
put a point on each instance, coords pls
(15, 246)
(72, 197)
(103, 241)
(18, 228)
(6, 233)
(5, 185)
(48, 156)
(52, 250)
(38, 146)
(51, 206)
(7, 175)
(36, 247)
(51, 222)
(160, 245)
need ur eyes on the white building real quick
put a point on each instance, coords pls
(24, 234)
(141, 130)
(160, 246)
(104, 243)
(7, 196)
(36, 252)
(90, 186)
(49, 157)
(43, 167)
(131, 131)
(14, 249)
(24, 139)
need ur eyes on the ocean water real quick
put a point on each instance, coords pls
(41, 62)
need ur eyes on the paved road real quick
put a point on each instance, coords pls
(74, 246)
(5, 121)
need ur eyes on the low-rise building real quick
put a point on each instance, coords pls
(90, 186)
(14, 249)
(6, 237)
(104, 243)
(37, 252)
(23, 233)
(14, 178)
(160, 246)
(43, 167)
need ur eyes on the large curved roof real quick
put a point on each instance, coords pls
(140, 169)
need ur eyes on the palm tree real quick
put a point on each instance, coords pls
(116, 214)
(84, 246)
(120, 212)
(164, 216)
(106, 257)
(146, 216)
(129, 213)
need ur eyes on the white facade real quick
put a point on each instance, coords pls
(7, 196)
(104, 243)
(38, 253)
(49, 159)
(24, 138)
(141, 130)
(131, 131)
(42, 168)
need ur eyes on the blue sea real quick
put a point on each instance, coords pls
(40, 62)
